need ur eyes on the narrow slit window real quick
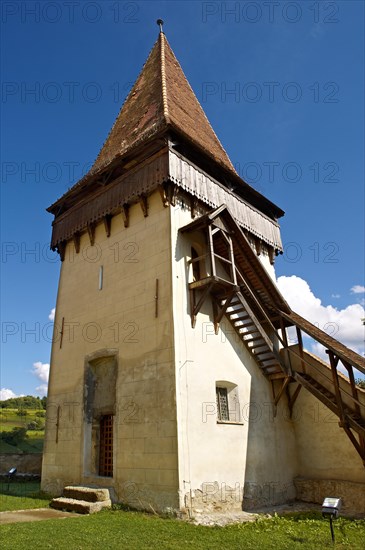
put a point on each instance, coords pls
(101, 275)
(222, 404)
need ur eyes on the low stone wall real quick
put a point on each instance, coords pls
(316, 490)
(24, 463)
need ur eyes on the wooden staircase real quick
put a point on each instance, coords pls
(242, 291)
(253, 335)
(261, 339)
(328, 398)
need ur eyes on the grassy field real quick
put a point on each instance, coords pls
(137, 531)
(117, 529)
(9, 419)
(21, 496)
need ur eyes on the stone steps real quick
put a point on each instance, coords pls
(83, 500)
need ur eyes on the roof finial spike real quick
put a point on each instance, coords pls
(160, 23)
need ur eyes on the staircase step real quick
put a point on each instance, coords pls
(89, 494)
(251, 331)
(255, 338)
(268, 364)
(79, 506)
(237, 310)
(262, 353)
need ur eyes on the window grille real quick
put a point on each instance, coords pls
(222, 404)
(106, 446)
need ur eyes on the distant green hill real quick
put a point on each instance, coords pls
(25, 402)
(21, 430)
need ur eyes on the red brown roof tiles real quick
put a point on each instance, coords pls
(160, 98)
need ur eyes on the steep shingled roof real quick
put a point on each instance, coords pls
(161, 98)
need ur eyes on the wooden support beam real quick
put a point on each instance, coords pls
(76, 240)
(107, 224)
(282, 389)
(125, 214)
(193, 205)
(271, 255)
(164, 194)
(61, 249)
(301, 352)
(258, 245)
(202, 299)
(286, 344)
(359, 446)
(144, 205)
(211, 250)
(292, 398)
(231, 257)
(219, 311)
(334, 362)
(58, 421)
(156, 299)
(173, 193)
(354, 392)
(61, 331)
(195, 307)
(215, 316)
(91, 233)
(192, 293)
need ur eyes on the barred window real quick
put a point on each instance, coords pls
(222, 404)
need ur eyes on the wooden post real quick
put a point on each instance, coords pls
(334, 361)
(156, 299)
(300, 344)
(211, 250)
(58, 421)
(61, 332)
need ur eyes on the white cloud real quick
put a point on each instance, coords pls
(343, 324)
(335, 295)
(358, 289)
(41, 371)
(42, 389)
(52, 314)
(5, 394)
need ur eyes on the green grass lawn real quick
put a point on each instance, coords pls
(22, 496)
(117, 529)
(133, 530)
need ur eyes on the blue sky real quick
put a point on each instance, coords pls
(282, 84)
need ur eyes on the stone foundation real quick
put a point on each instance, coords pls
(213, 497)
(316, 490)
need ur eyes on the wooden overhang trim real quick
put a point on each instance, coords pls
(343, 352)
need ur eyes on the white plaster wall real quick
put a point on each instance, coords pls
(259, 450)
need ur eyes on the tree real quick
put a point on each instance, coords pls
(15, 436)
(25, 402)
